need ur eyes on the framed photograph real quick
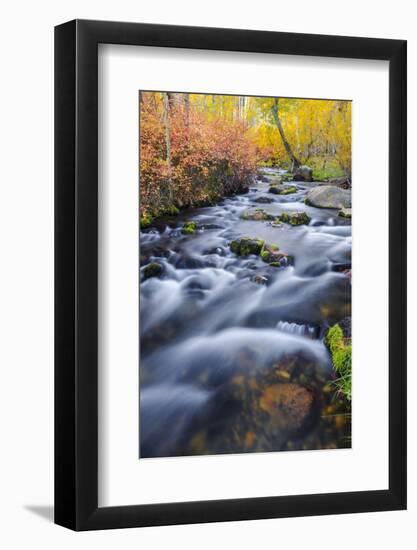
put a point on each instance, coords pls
(230, 248)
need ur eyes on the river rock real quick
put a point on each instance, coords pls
(257, 215)
(295, 218)
(246, 246)
(260, 279)
(289, 405)
(271, 255)
(275, 180)
(327, 196)
(345, 213)
(343, 182)
(303, 173)
(282, 189)
(264, 200)
(152, 270)
(346, 326)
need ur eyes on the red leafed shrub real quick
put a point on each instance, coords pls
(209, 157)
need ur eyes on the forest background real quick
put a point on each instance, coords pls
(197, 148)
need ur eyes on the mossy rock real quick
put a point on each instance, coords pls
(295, 218)
(271, 255)
(246, 246)
(257, 215)
(287, 190)
(303, 173)
(171, 211)
(152, 270)
(283, 189)
(145, 221)
(189, 228)
(345, 213)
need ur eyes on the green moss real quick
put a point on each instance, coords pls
(250, 246)
(331, 170)
(247, 246)
(152, 270)
(288, 190)
(145, 221)
(235, 247)
(189, 228)
(270, 254)
(172, 210)
(295, 218)
(341, 353)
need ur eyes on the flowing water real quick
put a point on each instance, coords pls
(231, 349)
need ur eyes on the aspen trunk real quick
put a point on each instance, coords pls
(275, 112)
(168, 144)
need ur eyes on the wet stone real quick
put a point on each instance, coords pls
(152, 270)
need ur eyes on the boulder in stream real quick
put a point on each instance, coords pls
(328, 196)
(264, 200)
(246, 246)
(303, 173)
(343, 182)
(271, 255)
(152, 270)
(282, 189)
(295, 218)
(256, 215)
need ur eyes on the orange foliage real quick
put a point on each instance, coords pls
(210, 157)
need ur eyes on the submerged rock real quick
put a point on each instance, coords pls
(264, 200)
(303, 173)
(289, 405)
(246, 246)
(345, 213)
(327, 196)
(259, 279)
(295, 218)
(152, 270)
(257, 215)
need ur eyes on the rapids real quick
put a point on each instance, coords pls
(227, 364)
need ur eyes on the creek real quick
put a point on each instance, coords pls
(232, 357)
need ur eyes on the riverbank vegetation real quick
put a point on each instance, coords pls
(340, 348)
(198, 148)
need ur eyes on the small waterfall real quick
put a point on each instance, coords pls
(294, 328)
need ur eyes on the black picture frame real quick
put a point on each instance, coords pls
(76, 272)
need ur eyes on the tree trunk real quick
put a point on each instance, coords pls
(168, 144)
(187, 110)
(294, 160)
